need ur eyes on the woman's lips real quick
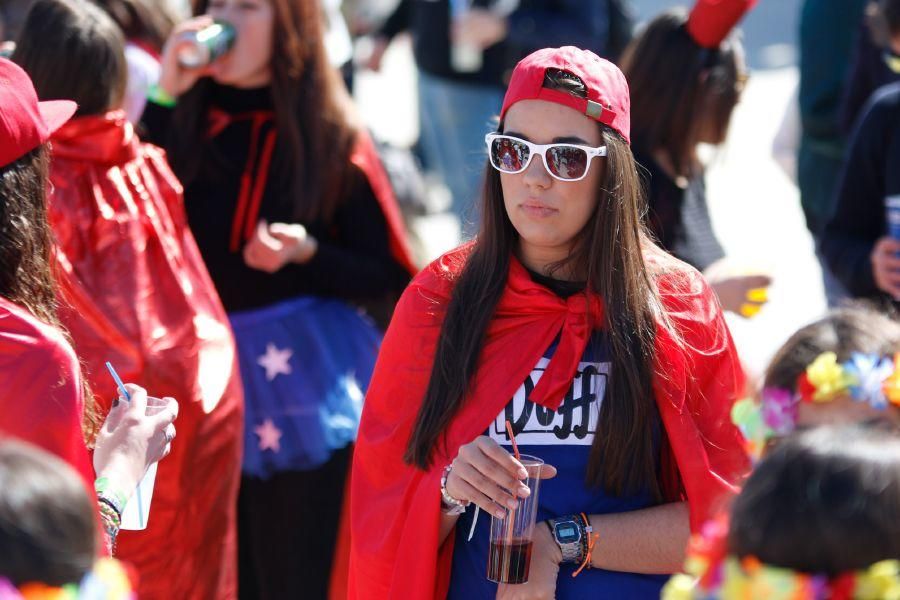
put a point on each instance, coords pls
(536, 209)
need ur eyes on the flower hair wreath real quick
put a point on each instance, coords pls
(865, 378)
(713, 575)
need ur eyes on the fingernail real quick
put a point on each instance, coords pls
(523, 474)
(512, 503)
(524, 492)
(500, 513)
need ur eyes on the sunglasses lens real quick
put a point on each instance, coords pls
(508, 155)
(567, 162)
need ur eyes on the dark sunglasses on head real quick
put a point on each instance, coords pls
(566, 162)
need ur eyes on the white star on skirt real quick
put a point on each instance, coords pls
(275, 361)
(269, 436)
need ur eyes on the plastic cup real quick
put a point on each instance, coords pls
(137, 511)
(509, 556)
(892, 215)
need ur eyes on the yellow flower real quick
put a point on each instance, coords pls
(679, 587)
(828, 377)
(880, 582)
(891, 385)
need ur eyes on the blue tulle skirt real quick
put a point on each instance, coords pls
(305, 365)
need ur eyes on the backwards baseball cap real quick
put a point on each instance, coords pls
(711, 20)
(606, 99)
(26, 123)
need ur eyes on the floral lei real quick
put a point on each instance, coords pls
(713, 575)
(107, 581)
(865, 378)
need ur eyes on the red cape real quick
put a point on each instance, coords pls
(41, 398)
(136, 292)
(395, 508)
(365, 157)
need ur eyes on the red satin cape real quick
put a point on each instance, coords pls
(135, 292)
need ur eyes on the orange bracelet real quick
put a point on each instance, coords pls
(591, 540)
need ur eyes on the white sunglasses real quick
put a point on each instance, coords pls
(566, 162)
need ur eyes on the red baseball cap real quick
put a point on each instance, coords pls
(26, 123)
(607, 99)
(711, 20)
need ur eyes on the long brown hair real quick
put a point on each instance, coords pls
(84, 62)
(147, 21)
(676, 85)
(26, 246)
(608, 251)
(316, 122)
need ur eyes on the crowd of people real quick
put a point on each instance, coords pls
(206, 277)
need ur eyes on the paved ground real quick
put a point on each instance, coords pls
(754, 205)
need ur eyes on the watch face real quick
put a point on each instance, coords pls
(566, 533)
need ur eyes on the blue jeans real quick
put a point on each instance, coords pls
(453, 120)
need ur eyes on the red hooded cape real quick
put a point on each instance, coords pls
(395, 508)
(136, 293)
(41, 398)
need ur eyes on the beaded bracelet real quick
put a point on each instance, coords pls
(105, 490)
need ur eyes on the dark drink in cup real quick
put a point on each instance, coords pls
(509, 562)
(509, 555)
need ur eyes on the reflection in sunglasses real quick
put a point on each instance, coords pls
(566, 162)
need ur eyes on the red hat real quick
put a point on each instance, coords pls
(607, 91)
(711, 20)
(26, 123)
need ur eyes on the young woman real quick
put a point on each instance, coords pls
(818, 519)
(43, 399)
(610, 359)
(138, 295)
(296, 222)
(684, 93)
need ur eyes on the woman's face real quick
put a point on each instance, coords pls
(547, 213)
(248, 64)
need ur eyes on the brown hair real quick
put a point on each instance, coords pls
(843, 331)
(823, 501)
(147, 21)
(47, 520)
(675, 84)
(26, 243)
(72, 50)
(608, 252)
(315, 118)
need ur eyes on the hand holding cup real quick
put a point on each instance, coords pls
(490, 477)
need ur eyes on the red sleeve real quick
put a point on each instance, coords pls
(42, 395)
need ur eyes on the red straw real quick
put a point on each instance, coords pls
(512, 438)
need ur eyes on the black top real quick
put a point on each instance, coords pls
(353, 261)
(868, 72)
(561, 288)
(869, 176)
(678, 216)
(535, 24)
